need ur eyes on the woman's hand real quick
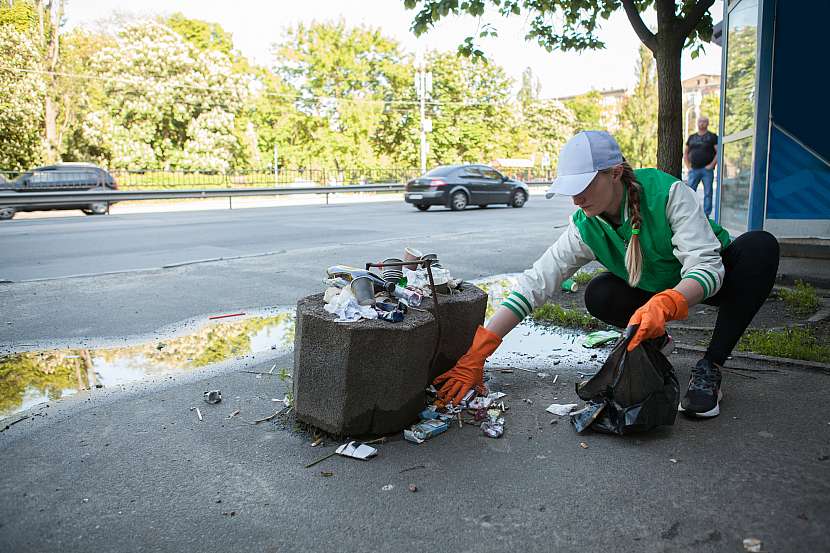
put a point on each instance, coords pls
(668, 305)
(468, 372)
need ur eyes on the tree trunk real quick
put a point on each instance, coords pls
(670, 113)
(50, 106)
(51, 116)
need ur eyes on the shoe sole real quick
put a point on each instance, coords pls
(714, 412)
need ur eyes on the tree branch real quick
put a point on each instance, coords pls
(688, 23)
(643, 32)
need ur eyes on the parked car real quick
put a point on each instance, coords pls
(457, 186)
(60, 177)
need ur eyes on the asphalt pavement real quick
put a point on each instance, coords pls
(133, 469)
(274, 256)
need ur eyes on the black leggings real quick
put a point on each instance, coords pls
(751, 263)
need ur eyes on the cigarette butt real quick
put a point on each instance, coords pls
(555, 378)
(232, 415)
(198, 413)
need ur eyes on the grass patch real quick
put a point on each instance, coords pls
(584, 277)
(556, 314)
(795, 343)
(802, 299)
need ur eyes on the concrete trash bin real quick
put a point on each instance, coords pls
(360, 378)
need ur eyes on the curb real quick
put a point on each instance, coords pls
(799, 363)
(813, 248)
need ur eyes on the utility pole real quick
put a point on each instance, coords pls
(276, 166)
(423, 86)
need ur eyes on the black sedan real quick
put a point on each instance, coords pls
(457, 186)
(61, 177)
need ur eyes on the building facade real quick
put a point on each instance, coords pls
(774, 151)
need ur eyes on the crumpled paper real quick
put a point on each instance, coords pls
(345, 306)
(560, 409)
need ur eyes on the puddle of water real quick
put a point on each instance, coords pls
(535, 345)
(29, 378)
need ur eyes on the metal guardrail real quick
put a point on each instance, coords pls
(72, 197)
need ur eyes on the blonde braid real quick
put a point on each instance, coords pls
(633, 253)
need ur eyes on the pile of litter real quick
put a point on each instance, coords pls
(354, 294)
(487, 413)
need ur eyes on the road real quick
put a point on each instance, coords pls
(273, 256)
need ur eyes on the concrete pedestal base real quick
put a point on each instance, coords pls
(360, 378)
(369, 377)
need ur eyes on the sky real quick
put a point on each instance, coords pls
(257, 24)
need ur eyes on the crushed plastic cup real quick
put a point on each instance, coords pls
(363, 290)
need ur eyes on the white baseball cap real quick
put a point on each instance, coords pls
(581, 158)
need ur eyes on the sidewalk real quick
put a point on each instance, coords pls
(137, 471)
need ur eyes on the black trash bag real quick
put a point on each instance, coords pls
(633, 391)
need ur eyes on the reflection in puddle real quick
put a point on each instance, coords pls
(29, 378)
(537, 345)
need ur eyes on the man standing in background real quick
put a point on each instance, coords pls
(701, 156)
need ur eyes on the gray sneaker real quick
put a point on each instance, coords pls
(703, 397)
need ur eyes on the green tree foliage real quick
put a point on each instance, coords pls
(78, 96)
(637, 134)
(710, 107)
(342, 79)
(471, 110)
(22, 15)
(587, 108)
(739, 109)
(549, 124)
(21, 100)
(573, 25)
(203, 35)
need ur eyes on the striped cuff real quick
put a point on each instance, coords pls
(707, 279)
(518, 304)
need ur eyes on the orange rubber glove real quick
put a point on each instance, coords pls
(468, 372)
(668, 305)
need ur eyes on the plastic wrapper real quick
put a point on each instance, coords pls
(425, 430)
(493, 429)
(633, 391)
(599, 338)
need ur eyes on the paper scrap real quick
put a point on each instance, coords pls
(357, 450)
(560, 409)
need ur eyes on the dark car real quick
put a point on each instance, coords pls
(61, 177)
(457, 186)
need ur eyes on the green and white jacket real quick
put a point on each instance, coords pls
(677, 240)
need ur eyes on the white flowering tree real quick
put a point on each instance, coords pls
(212, 143)
(21, 100)
(169, 105)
